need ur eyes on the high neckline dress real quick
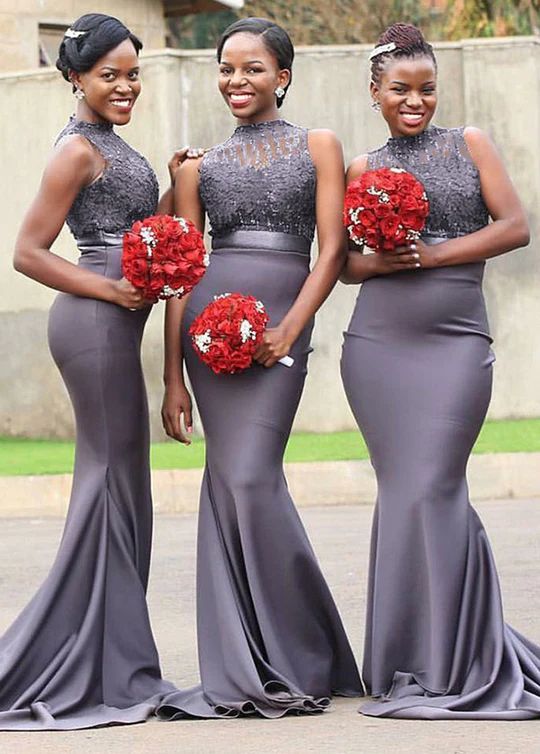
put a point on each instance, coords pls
(417, 370)
(269, 635)
(82, 654)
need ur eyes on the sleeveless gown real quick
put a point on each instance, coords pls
(81, 653)
(270, 638)
(417, 369)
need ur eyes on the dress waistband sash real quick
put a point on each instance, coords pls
(263, 239)
(101, 240)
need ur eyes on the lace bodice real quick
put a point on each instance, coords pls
(261, 178)
(126, 191)
(440, 159)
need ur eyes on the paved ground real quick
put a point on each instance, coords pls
(340, 536)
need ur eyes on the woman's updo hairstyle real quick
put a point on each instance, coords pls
(277, 42)
(102, 34)
(409, 43)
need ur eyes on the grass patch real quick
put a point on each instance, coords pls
(22, 456)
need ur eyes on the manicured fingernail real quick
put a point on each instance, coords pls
(190, 429)
(416, 256)
(418, 264)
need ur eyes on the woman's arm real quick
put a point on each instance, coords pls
(360, 266)
(166, 202)
(327, 156)
(74, 164)
(509, 229)
(177, 401)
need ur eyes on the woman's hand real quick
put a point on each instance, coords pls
(413, 256)
(177, 402)
(398, 260)
(126, 295)
(425, 256)
(180, 156)
(276, 344)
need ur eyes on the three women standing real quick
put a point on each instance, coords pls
(416, 367)
(417, 370)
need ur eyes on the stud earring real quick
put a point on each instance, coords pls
(79, 94)
(375, 105)
(279, 92)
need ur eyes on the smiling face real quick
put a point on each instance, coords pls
(248, 77)
(407, 95)
(111, 86)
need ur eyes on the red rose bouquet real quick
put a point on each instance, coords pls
(228, 331)
(164, 256)
(385, 208)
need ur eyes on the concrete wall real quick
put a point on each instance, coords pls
(19, 24)
(492, 84)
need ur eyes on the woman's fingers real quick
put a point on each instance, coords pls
(186, 153)
(172, 424)
(188, 420)
(261, 353)
(410, 260)
(180, 155)
(177, 425)
(166, 423)
(404, 257)
(195, 153)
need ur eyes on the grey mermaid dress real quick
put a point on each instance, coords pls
(269, 635)
(417, 369)
(81, 653)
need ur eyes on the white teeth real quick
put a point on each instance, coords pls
(412, 116)
(240, 97)
(121, 102)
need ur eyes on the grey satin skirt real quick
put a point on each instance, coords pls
(81, 653)
(417, 370)
(269, 635)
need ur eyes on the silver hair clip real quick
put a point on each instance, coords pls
(73, 34)
(390, 47)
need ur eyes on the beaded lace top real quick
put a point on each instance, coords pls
(261, 178)
(126, 191)
(440, 159)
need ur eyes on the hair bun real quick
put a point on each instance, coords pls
(102, 34)
(404, 36)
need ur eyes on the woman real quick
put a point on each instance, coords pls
(82, 653)
(417, 371)
(270, 638)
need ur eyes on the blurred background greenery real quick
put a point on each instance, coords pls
(362, 21)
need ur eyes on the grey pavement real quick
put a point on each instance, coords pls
(340, 536)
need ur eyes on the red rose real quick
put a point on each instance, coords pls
(383, 210)
(384, 181)
(389, 225)
(368, 219)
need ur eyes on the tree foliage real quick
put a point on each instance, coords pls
(492, 18)
(322, 22)
(198, 31)
(340, 21)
